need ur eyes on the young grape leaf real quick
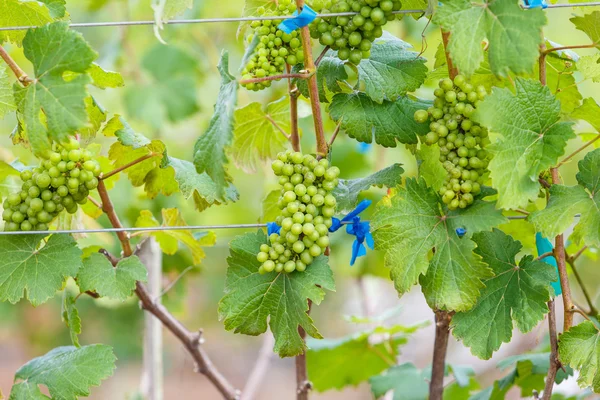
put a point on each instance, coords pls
(350, 360)
(533, 139)
(430, 168)
(21, 13)
(392, 69)
(60, 101)
(363, 119)
(209, 150)
(330, 72)
(517, 292)
(38, 271)
(410, 224)
(347, 191)
(270, 209)
(68, 372)
(96, 116)
(589, 67)
(115, 282)
(590, 25)
(588, 111)
(168, 9)
(172, 91)
(561, 80)
(540, 363)
(103, 79)
(260, 134)
(579, 348)
(251, 298)
(169, 240)
(514, 35)
(70, 316)
(566, 201)
(407, 382)
(138, 174)
(118, 126)
(7, 99)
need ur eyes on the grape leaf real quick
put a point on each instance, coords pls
(118, 282)
(517, 292)
(251, 298)
(514, 35)
(350, 360)
(560, 79)
(118, 126)
(39, 271)
(588, 111)
(410, 224)
(430, 168)
(138, 174)
(21, 13)
(589, 67)
(209, 150)
(103, 79)
(57, 8)
(62, 101)
(70, 316)
(348, 190)
(96, 116)
(330, 72)
(533, 139)
(7, 100)
(67, 372)
(579, 348)
(251, 6)
(407, 382)
(566, 201)
(169, 240)
(590, 25)
(257, 135)
(540, 363)
(388, 122)
(270, 209)
(392, 69)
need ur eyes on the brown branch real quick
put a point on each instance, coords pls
(128, 165)
(524, 212)
(554, 362)
(19, 73)
(583, 314)
(303, 385)
(94, 202)
(548, 254)
(191, 341)
(577, 46)
(452, 70)
(544, 182)
(274, 78)
(571, 261)
(294, 137)
(276, 126)
(576, 256)
(577, 151)
(438, 366)
(318, 60)
(334, 136)
(313, 89)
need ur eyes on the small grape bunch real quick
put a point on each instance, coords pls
(461, 140)
(61, 181)
(307, 207)
(275, 48)
(352, 36)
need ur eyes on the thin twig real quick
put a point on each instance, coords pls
(94, 202)
(589, 143)
(578, 254)
(275, 78)
(294, 137)
(554, 362)
(578, 46)
(548, 254)
(583, 314)
(318, 60)
(128, 165)
(19, 73)
(334, 135)
(190, 340)
(276, 125)
(174, 281)
(524, 212)
(303, 385)
(571, 261)
(544, 182)
(261, 367)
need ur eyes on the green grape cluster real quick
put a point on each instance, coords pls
(352, 36)
(462, 141)
(275, 48)
(62, 180)
(307, 207)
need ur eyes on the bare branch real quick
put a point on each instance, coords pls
(577, 46)
(554, 362)
(128, 165)
(275, 78)
(19, 73)
(567, 158)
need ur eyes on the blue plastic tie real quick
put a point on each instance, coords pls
(306, 16)
(461, 232)
(358, 228)
(536, 3)
(544, 246)
(272, 227)
(363, 148)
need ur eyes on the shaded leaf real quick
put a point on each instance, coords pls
(70, 316)
(579, 348)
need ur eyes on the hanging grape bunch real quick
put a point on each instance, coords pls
(307, 207)
(461, 140)
(275, 48)
(352, 36)
(62, 180)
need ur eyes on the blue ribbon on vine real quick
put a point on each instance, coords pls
(358, 228)
(272, 227)
(545, 246)
(536, 3)
(306, 16)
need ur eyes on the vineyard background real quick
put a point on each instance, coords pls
(26, 332)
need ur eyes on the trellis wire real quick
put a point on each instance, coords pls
(171, 228)
(247, 19)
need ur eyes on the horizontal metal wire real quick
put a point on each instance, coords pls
(171, 228)
(244, 19)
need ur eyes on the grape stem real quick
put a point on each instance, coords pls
(554, 361)
(94, 202)
(191, 341)
(294, 137)
(19, 73)
(542, 256)
(589, 143)
(301, 75)
(303, 385)
(571, 261)
(334, 135)
(128, 165)
(578, 46)
(276, 126)
(318, 60)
